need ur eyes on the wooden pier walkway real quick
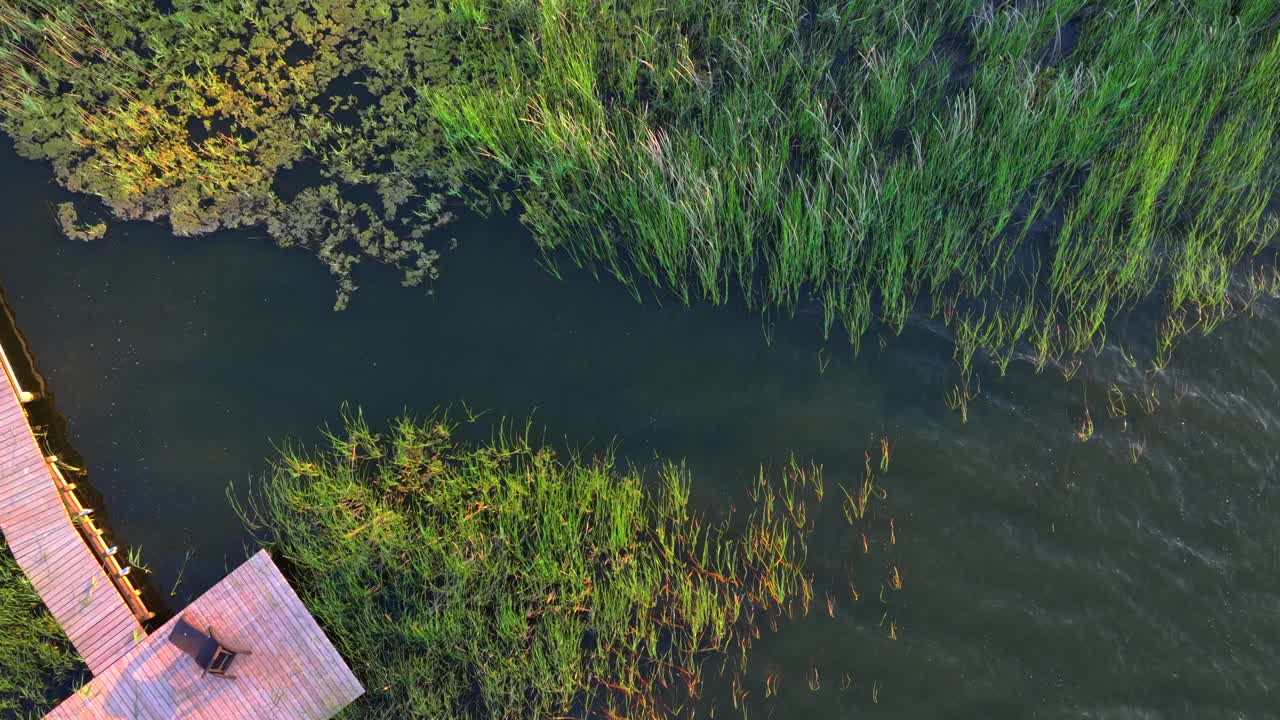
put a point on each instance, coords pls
(67, 561)
(294, 672)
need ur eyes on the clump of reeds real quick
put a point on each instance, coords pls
(861, 154)
(37, 663)
(502, 580)
(1027, 171)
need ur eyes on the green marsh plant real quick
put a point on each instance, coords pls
(1027, 171)
(37, 663)
(506, 580)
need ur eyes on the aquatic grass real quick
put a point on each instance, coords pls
(503, 580)
(896, 190)
(37, 663)
(1029, 172)
(1084, 433)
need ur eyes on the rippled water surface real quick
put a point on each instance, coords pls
(1045, 577)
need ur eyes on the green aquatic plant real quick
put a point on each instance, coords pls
(1028, 171)
(954, 157)
(69, 219)
(37, 663)
(196, 115)
(505, 580)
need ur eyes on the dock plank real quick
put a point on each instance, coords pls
(49, 547)
(293, 673)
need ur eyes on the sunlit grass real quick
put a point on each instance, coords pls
(798, 165)
(37, 663)
(501, 580)
(1027, 172)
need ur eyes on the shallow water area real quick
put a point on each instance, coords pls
(1044, 576)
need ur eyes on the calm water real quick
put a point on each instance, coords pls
(1046, 578)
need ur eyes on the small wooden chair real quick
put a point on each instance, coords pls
(212, 656)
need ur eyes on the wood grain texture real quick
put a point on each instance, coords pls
(294, 672)
(51, 550)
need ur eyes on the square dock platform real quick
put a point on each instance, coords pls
(294, 672)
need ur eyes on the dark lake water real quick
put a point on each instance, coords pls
(1046, 577)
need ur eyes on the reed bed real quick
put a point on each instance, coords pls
(38, 666)
(1026, 171)
(502, 580)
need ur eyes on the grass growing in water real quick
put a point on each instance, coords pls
(503, 581)
(37, 663)
(1025, 170)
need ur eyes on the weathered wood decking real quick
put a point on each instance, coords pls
(294, 672)
(50, 549)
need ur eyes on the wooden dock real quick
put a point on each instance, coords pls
(67, 561)
(294, 672)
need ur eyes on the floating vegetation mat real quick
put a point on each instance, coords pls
(501, 580)
(1026, 171)
(38, 666)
